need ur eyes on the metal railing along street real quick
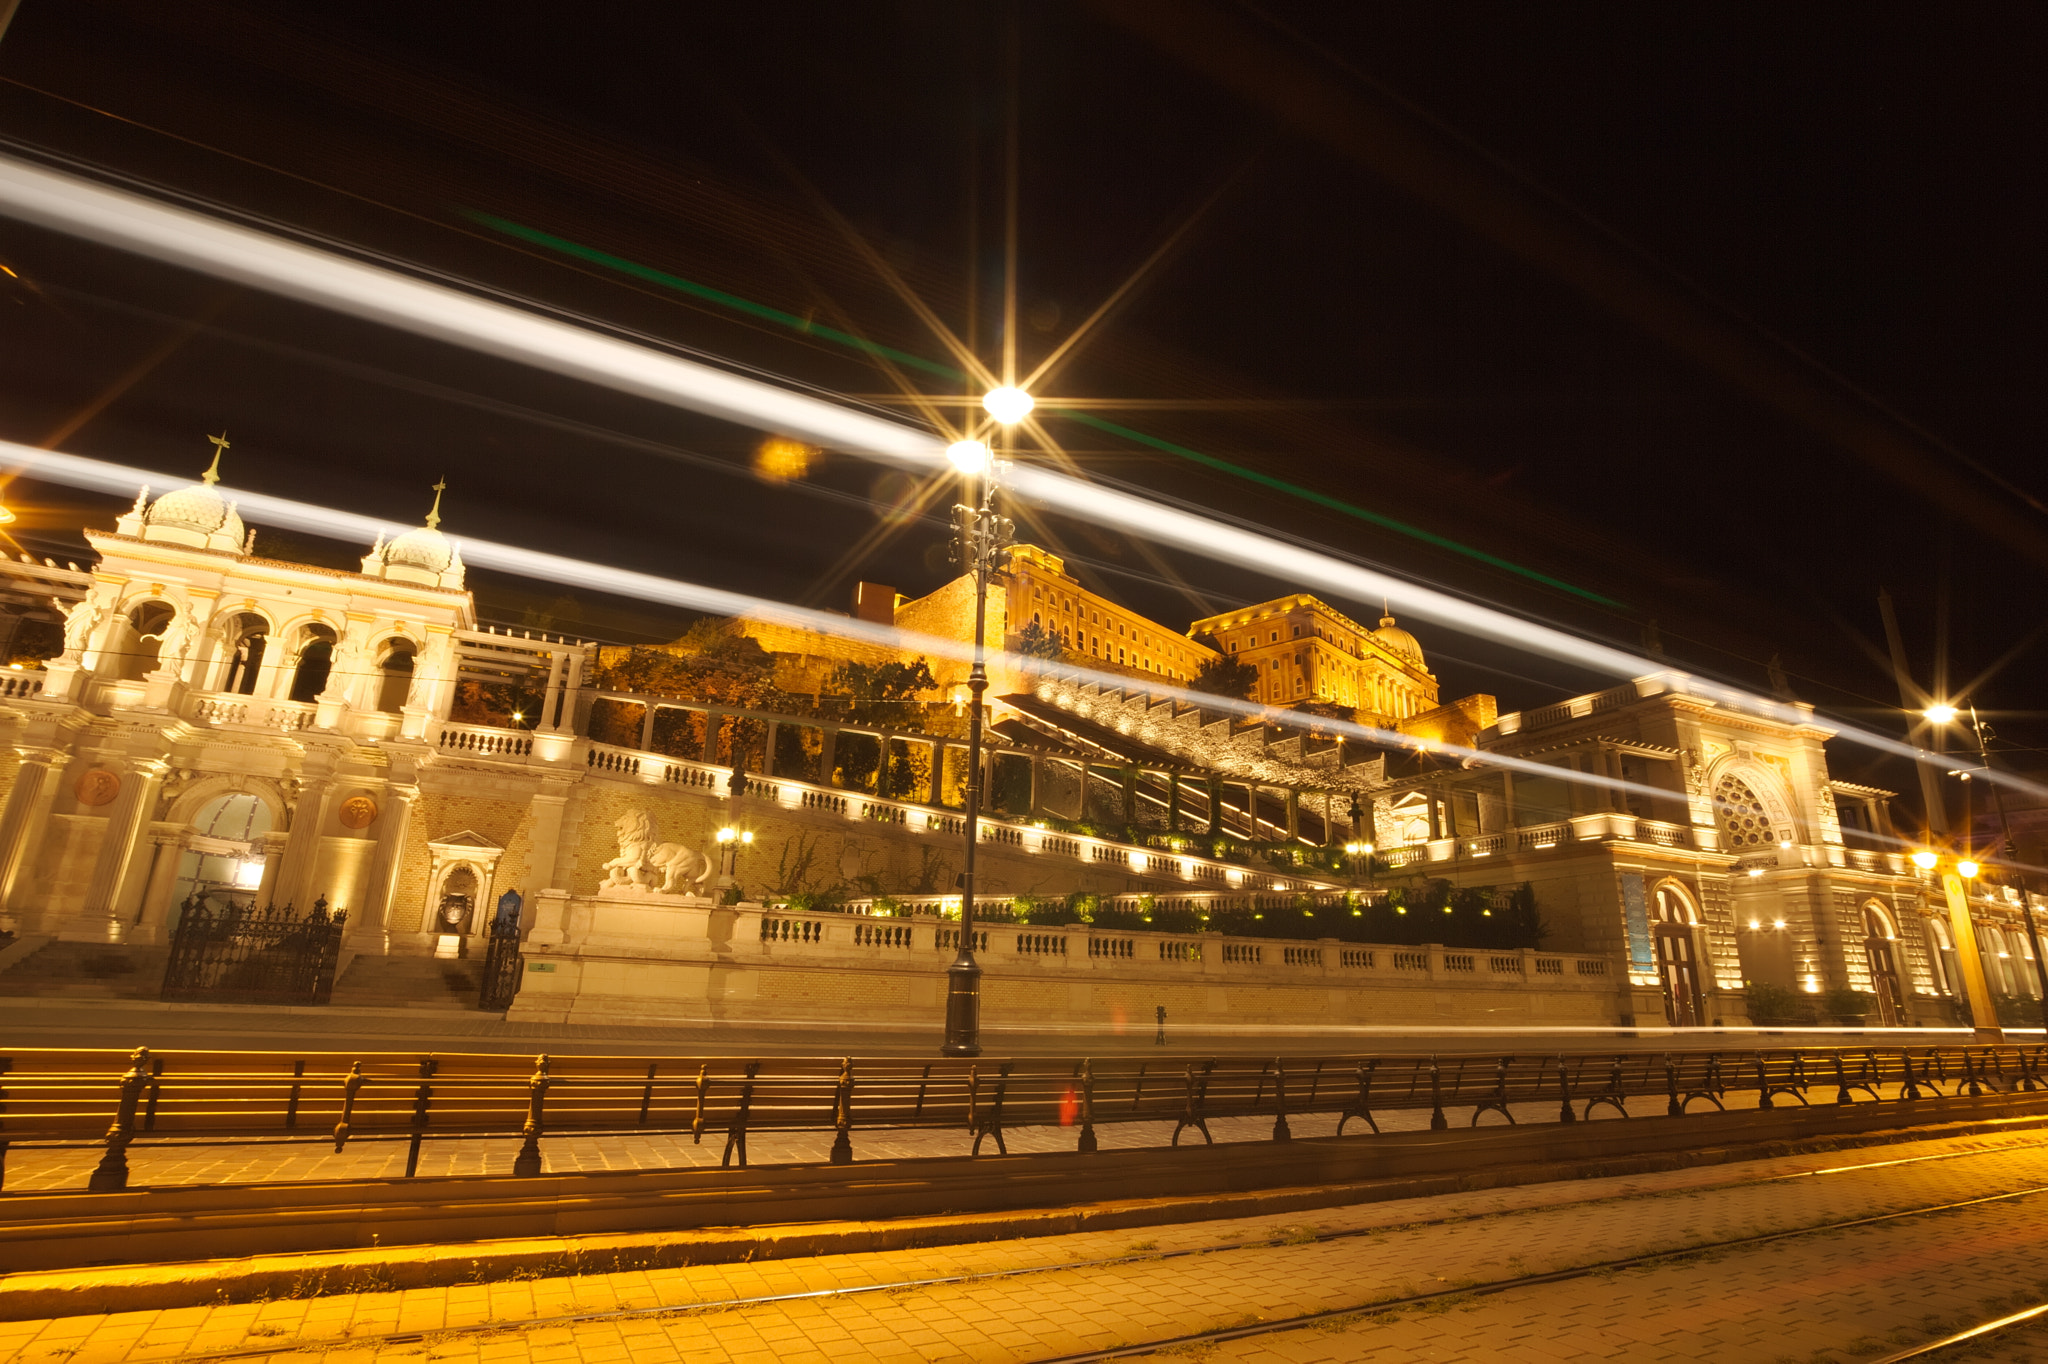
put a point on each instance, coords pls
(114, 1100)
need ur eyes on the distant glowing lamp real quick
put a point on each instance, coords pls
(968, 456)
(249, 874)
(727, 834)
(1967, 870)
(1925, 859)
(6, 517)
(1008, 405)
(1941, 715)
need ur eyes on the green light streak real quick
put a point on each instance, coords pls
(809, 328)
(1333, 503)
(708, 294)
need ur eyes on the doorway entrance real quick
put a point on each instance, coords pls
(1677, 955)
(1879, 947)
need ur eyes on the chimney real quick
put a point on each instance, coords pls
(874, 602)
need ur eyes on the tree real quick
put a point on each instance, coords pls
(1225, 676)
(1035, 641)
(883, 694)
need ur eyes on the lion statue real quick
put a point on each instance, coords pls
(641, 859)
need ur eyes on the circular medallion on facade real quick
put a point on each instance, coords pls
(357, 812)
(97, 787)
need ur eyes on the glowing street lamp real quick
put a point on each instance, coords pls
(1970, 960)
(983, 534)
(1942, 714)
(730, 840)
(970, 457)
(1008, 404)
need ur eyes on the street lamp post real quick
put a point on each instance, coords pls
(982, 536)
(1982, 733)
(1969, 959)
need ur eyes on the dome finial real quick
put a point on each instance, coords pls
(434, 516)
(220, 445)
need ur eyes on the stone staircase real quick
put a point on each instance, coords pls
(370, 982)
(86, 970)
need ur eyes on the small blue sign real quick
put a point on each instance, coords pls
(1641, 956)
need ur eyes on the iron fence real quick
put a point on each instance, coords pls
(234, 953)
(109, 1100)
(502, 967)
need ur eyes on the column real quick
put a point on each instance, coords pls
(100, 918)
(370, 929)
(1293, 813)
(1507, 805)
(302, 844)
(552, 695)
(1037, 785)
(647, 728)
(152, 910)
(273, 860)
(1173, 802)
(21, 833)
(544, 853)
(572, 692)
(828, 741)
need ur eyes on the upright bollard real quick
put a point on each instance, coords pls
(111, 1175)
(842, 1114)
(527, 1166)
(1159, 1038)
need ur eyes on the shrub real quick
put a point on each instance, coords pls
(1844, 1000)
(1775, 1006)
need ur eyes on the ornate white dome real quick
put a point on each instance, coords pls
(1397, 641)
(422, 555)
(425, 548)
(197, 516)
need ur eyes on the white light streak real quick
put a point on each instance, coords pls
(135, 223)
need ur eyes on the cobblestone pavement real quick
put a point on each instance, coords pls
(157, 1165)
(1833, 1295)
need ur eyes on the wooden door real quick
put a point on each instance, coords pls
(1677, 967)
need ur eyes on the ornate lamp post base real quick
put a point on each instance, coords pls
(963, 1007)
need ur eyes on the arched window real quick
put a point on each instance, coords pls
(1674, 906)
(1944, 956)
(246, 638)
(222, 874)
(1744, 821)
(138, 645)
(316, 661)
(396, 671)
(1882, 955)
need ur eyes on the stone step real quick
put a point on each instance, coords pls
(88, 969)
(409, 982)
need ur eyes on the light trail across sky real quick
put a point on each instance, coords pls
(77, 471)
(135, 223)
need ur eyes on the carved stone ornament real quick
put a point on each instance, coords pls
(97, 787)
(657, 868)
(358, 812)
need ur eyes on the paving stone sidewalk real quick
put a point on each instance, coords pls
(1043, 1305)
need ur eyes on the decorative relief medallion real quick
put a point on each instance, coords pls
(97, 786)
(357, 812)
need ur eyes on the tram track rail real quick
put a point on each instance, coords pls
(1276, 1325)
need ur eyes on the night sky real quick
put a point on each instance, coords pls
(1718, 317)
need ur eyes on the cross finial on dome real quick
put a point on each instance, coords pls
(220, 445)
(434, 516)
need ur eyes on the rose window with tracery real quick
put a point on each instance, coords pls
(1744, 822)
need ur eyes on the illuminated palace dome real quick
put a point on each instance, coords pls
(1398, 641)
(197, 516)
(423, 555)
